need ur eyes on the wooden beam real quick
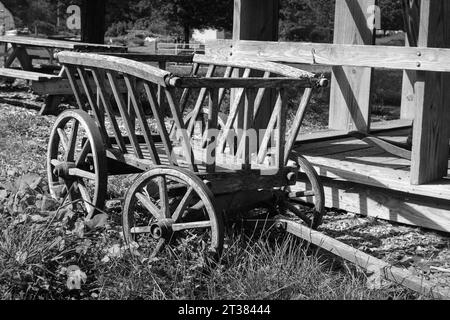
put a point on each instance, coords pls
(386, 204)
(411, 12)
(383, 57)
(431, 129)
(93, 21)
(350, 86)
(380, 268)
(256, 20)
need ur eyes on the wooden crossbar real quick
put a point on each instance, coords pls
(388, 57)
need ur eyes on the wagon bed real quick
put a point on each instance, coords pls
(199, 168)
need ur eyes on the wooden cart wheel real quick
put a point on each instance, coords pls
(314, 193)
(77, 161)
(172, 206)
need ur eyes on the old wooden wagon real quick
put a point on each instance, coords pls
(199, 167)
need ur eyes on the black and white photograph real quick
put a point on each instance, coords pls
(225, 158)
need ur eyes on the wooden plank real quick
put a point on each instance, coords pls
(200, 100)
(26, 75)
(112, 77)
(213, 117)
(139, 111)
(377, 176)
(57, 44)
(121, 65)
(384, 57)
(350, 86)
(99, 116)
(385, 204)
(256, 20)
(378, 267)
(100, 80)
(156, 110)
(431, 133)
(295, 128)
(250, 83)
(185, 138)
(145, 57)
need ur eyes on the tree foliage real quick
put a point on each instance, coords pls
(300, 20)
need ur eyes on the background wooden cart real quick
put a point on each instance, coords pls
(36, 63)
(193, 173)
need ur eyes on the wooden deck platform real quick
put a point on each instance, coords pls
(365, 179)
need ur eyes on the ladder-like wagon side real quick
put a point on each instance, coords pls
(126, 131)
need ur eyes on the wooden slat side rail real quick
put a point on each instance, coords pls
(243, 63)
(270, 129)
(213, 117)
(156, 110)
(181, 127)
(136, 69)
(112, 77)
(249, 83)
(200, 101)
(99, 115)
(299, 116)
(99, 78)
(234, 109)
(70, 72)
(385, 57)
(140, 114)
(26, 75)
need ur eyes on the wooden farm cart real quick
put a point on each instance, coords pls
(194, 177)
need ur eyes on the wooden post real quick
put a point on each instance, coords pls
(412, 22)
(93, 21)
(432, 118)
(350, 87)
(256, 20)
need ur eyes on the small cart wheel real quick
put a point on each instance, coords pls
(313, 193)
(174, 207)
(76, 161)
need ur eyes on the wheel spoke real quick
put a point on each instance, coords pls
(148, 204)
(302, 194)
(75, 172)
(164, 197)
(192, 225)
(158, 248)
(83, 154)
(72, 142)
(140, 230)
(183, 204)
(87, 200)
(299, 214)
(63, 138)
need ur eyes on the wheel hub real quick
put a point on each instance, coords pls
(62, 170)
(162, 229)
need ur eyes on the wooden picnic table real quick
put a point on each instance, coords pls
(26, 50)
(21, 45)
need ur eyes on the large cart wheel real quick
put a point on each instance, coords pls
(77, 162)
(172, 206)
(313, 194)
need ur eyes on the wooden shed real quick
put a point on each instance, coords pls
(370, 168)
